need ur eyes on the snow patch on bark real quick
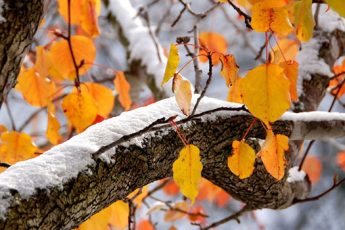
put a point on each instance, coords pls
(295, 175)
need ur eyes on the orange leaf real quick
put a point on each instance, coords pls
(341, 160)
(43, 62)
(197, 210)
(338, 69)
(272, 154)
(212, 42)
(171, 188)
(80, 108)
(229, 69)
(234, 94)
(53, 126)
(36, 90)
(145, 225)
(122, 87)
(313, 167)
(103, 97)
(274, 18)
(16, 146)
(137, 201)
(241, 162)
(62, 63)
(222, 198)
(287, 50)
(119, 214)
(291, 72)
(183, 93)
(99, 221)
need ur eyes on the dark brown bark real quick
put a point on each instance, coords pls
(16, 33)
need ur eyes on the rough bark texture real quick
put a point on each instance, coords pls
(16, 34)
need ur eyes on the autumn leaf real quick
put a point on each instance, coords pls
(275, 19)
(270, 3)
(313, 167)
(285, 49)
(214, 43)
(43, 63)
(62, 63)
(173, 215)
(99, 221)
(229, 69)
(304, 20)
(122, 87)
(83, 13)
(234, 93)
(16, 146)
(335, 82)
(139, 194)
(241, 161)
(337, 5)
(80, 108)
(187, 171)
(265, 91)
(171, 188)
(173, 61)
(272, 154)
(341, 160)
(145, 225)
(119, 214)
(102, 96)
(212, 193)
(183, 93)
(291, 72)
(36, 89)
(53, 125)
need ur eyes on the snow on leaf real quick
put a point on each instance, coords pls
(80, 108)
(173, 61)
(241, 162)
(337, 5)
(275, 18)
(119, 214)
(272, 154)
(265, 91)
(16, 146)
(62, 63)
(123, 87)
(291, 72)
(187, 171)
(229, 69)
(183, 93)
(103, 97)
(304, 20)
(36, 90)
(214, 43)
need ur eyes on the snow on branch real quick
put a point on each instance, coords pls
(68, 183)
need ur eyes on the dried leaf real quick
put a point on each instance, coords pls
(123, 87)
(187, 171)
(183, 93)
(241, 162)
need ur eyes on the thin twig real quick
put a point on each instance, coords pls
(316, 14)
(4, 165)
(196, 61)
(305, 155)
(210, 66)
(247, 18)
(262, 48)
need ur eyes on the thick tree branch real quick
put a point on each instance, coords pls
(16, 32)
(65, 186)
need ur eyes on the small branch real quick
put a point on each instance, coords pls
(247, 18)
(4, 165)
(196, 61)
(209, 56)
(234, 216)
(262, 48)
(305, 154)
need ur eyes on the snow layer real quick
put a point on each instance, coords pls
(66, 160)
(141, 45)
(295, 175)
(329, 20)
(2, 19)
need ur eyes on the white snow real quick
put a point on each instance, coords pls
(295, 175)
(66, 160)
(141, 45)
(2, 19)
(329, 20)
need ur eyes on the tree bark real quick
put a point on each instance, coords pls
(66, 203)
(16, 33)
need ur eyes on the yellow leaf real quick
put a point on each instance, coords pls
(173, 215)
(122, 87)
(241, 162)
(304, 20)
(272, 154)
(62, 63)
(138, 199)
(15, 147)
(83, 13)
(99, 221)
(275, 19)
(234, 94)
(103, 97)
(183, 93)
(291, 72)
(80, 108)
(119, 214)
(187, 171)
(53, 126)
(173, 61)
(214, 43)
(337, 5)
(2, 128)
(36, 90)
(229, 69)
(265, 91)
(287, 50)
